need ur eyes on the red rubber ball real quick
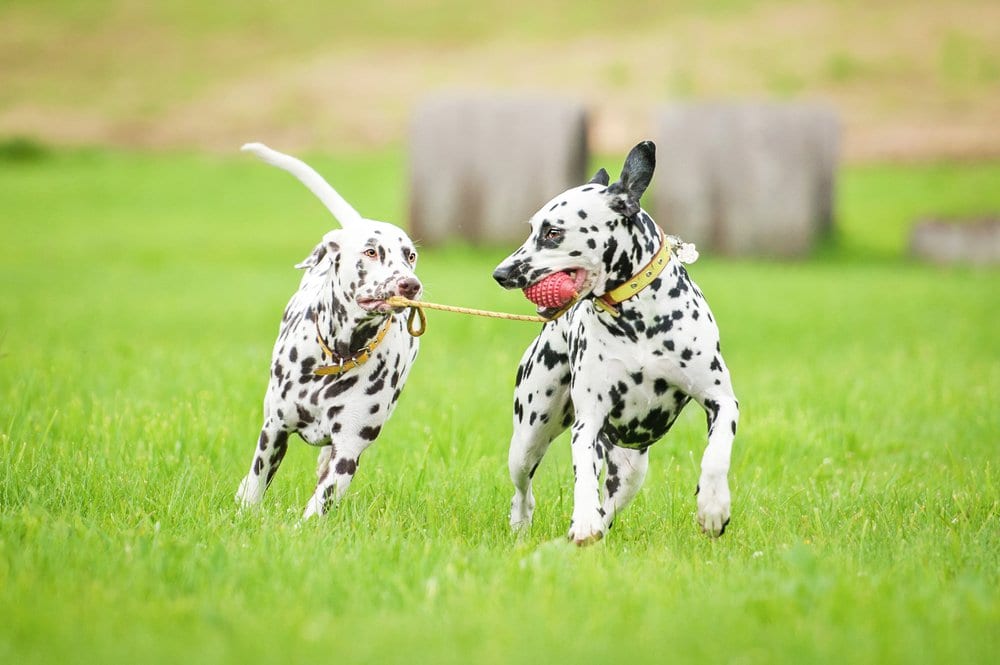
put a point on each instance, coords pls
(554, 291)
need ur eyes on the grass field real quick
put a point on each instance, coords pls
(139, 297)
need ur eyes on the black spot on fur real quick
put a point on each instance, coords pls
(612, 485)
(369, 433)
(550, 357)
(346, 467)
(304, 415)
(339, 387)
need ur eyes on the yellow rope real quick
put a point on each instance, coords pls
(418, 305)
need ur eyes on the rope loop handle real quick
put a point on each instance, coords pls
(416, 313)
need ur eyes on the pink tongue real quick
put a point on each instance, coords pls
(552, 292)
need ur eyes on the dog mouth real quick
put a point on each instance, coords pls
(555, 291)
(377, 305)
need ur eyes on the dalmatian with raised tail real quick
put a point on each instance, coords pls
(342, 354)
(635, 343)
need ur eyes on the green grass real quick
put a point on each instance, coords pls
(139, 297)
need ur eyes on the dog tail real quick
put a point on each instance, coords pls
(334, 202)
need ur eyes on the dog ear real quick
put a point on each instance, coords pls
(327, 247)
(600, 178)
(635, 177)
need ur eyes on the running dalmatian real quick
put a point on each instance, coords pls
(619, 365)
(342, 354)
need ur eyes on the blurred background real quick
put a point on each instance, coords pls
(911, 79)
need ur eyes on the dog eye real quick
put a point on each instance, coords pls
(371, 253)
(412, 257)
(553, 234)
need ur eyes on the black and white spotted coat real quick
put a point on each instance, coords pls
(341, 296)
(619, 382)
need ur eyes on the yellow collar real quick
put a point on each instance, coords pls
(610, 300)
(356, 359)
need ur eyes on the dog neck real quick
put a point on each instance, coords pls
(632, 244)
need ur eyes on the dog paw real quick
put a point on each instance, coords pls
(713, 505)
(314, 508)
(585, 532)
(246, 494)
(521, 509)
(519, 526)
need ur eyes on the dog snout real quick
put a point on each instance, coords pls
(408, 287)
(506, 274)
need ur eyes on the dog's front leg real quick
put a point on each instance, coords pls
(542, 411)
(270, 450)
(588, 517)
(341, 465)
(626, 471)
(713, 485)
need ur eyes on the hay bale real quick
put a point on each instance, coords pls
(746, 179)
(481, 166)
(957, 241)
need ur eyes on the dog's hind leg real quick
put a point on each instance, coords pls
(723, 413)
(323, 461)
(542, 410)
(271, 447)
(626, 471)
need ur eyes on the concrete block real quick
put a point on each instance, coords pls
(746, 179)
(481, 166)
(957, 241)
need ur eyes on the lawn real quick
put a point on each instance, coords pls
(140, 295)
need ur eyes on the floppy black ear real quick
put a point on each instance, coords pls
(600, 178)
(635, 177)
(321, 251)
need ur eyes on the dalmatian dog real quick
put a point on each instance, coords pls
(342, 354)
(620, 364)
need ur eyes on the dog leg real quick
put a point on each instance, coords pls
(527, 447)
(587, 525)
(341, 465)
(271, 447)
(626, 471)
(323, 461)
(542, 410)
(713, 486)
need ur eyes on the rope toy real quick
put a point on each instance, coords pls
(417, 313)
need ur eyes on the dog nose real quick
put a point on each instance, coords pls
(408, 287)
(502, 273)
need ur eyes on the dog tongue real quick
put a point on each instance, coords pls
(553, 292)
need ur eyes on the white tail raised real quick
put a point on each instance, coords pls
(334, 202)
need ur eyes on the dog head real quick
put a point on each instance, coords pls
(596, 233)
(364, 266)
(365, 262)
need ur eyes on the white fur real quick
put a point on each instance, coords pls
(334, 202)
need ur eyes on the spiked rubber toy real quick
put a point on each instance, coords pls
(552, 292)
